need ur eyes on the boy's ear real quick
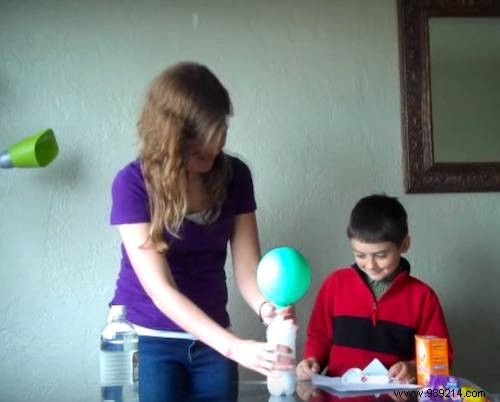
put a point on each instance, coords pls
(405, 245)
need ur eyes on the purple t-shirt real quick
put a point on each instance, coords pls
(196, 259)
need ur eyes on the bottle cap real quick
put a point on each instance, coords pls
(117, 311)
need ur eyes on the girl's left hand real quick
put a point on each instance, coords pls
(268, 311)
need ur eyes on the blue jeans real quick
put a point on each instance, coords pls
(178, 370)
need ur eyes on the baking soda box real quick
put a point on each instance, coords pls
(431, 354)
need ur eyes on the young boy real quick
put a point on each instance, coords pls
(374, 308)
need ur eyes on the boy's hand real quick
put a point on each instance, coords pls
(404, 372)
(307, 391)
(306, 368)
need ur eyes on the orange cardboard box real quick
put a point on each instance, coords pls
(431, 354)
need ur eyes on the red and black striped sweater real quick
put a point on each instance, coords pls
(349, 328)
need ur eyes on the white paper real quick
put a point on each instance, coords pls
(375, 368)
(336, 384)
(373, 378)
(374, 373)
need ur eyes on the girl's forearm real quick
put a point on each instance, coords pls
(193, 320)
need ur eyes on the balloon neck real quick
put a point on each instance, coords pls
(278, 309)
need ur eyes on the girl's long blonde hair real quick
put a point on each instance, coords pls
(185, 104)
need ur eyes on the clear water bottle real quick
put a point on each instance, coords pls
(283, 332)
(119, 358)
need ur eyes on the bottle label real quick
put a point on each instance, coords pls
(119, 367)
(135, 366)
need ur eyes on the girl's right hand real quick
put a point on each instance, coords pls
(262, 357)
(306, 368)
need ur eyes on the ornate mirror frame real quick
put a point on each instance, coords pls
(422, 174)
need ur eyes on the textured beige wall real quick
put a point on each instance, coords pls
(315, 87)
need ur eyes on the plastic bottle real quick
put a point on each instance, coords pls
(283, 332)
(119, 358)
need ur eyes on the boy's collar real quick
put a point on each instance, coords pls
(404, 266)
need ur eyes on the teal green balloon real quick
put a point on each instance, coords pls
(283, 276)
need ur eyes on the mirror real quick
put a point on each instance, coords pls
(450, 94)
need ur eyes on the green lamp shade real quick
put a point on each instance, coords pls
(35, 151)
